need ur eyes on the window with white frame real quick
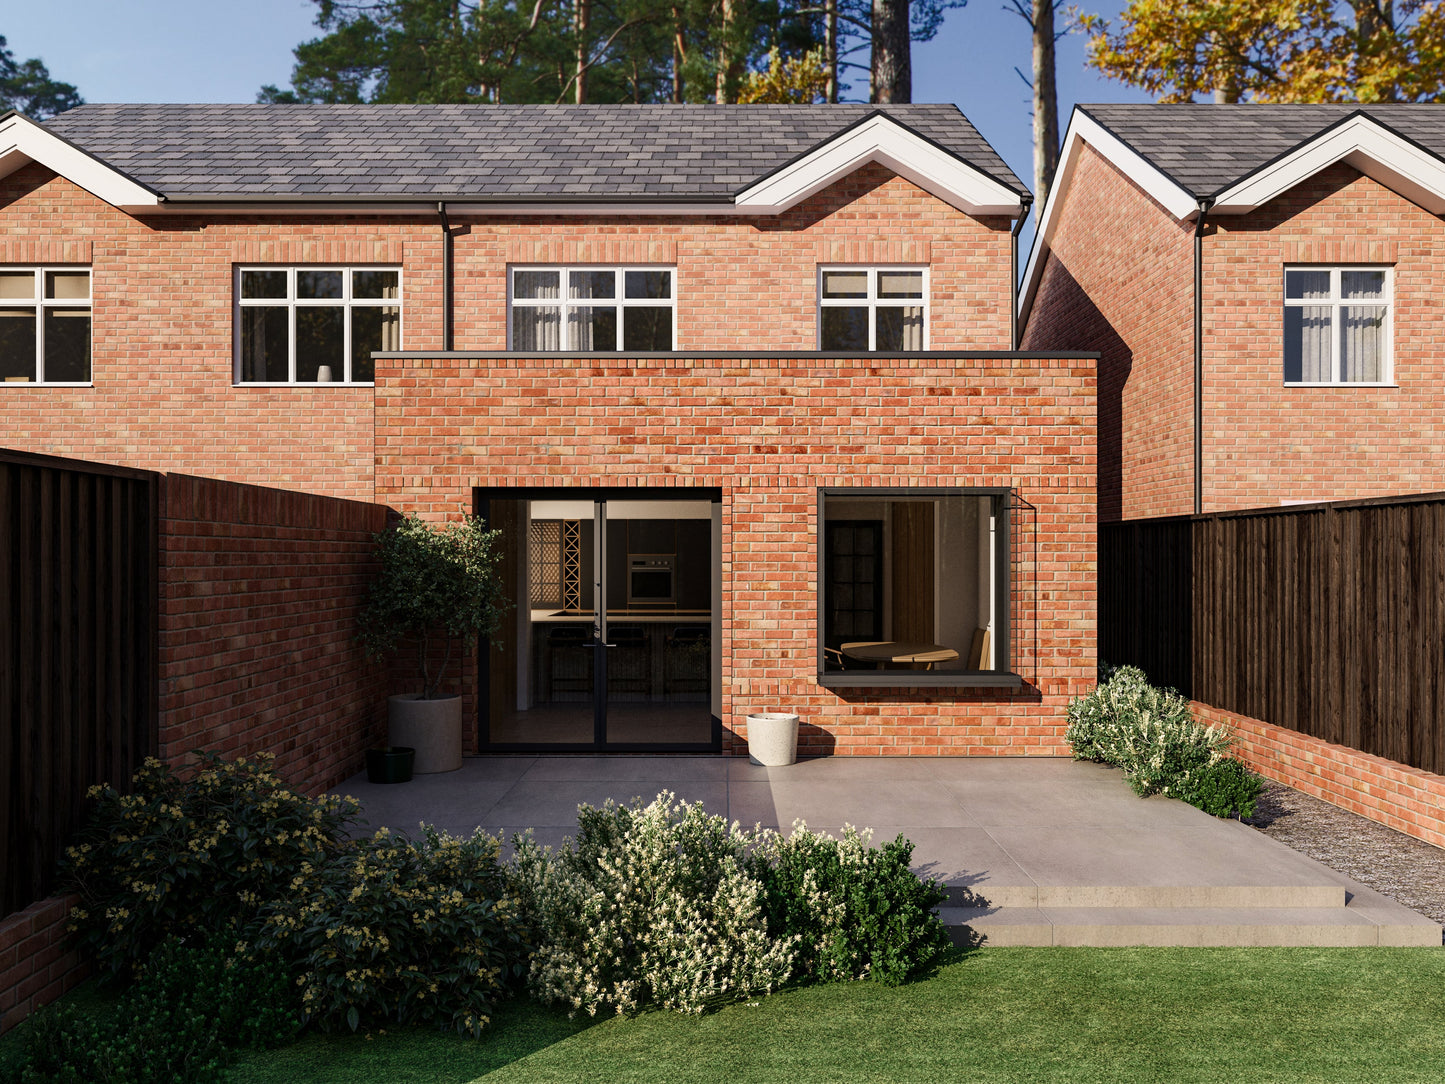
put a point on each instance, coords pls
(1337, 325)
(45, 325)
(314, 325)
(631, 309)
(872, 308)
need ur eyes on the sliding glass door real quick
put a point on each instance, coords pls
(613, 639)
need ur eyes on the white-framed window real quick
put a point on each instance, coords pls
(632, 309)
(873, 308)
(314, 325)
(1337, 325)
(45, 325)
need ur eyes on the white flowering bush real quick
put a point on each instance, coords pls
(854, 911)
(649, 906)
(1151, 735)
(418, 932)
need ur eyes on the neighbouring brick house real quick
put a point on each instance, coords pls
(1263, 284)
(743, 372)
(1316, 369)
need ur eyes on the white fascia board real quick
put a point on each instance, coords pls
(888, 143)
(428, 207)
(23, 141)
(1084, 130)
(1361, 142)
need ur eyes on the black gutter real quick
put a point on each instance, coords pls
(1204, 205)
(446, 278)
(1025, 202)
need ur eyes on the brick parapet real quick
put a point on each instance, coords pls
(36, 966)
(1398, 796)
(769, 431)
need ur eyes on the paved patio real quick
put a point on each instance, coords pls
(1034, 851)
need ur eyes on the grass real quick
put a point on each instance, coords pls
(1005, 1015)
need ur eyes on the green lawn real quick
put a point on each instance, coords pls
(1076, 1015)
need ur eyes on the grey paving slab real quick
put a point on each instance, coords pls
(1043, 851)
(662, 771)
(1151, 866)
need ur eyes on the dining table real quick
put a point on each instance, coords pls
(882, 652)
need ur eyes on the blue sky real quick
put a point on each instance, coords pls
(185, 51)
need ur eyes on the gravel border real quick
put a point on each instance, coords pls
(1406, 869)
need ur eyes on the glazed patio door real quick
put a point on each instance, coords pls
(612, 639)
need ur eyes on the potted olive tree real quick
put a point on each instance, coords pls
(435, 580)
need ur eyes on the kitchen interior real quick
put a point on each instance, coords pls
(657, 582)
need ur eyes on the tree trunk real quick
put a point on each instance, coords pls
(1046, 102)
(830, 49)
(730, 52)
(891, 76)
(582, 19)
(679, 54)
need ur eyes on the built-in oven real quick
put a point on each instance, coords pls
(651, 579)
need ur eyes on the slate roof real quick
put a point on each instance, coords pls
(528, 153)
(1205, 148)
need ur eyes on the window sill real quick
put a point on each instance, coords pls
(298, 384)
(46, 384)
(1341, 384)
(920, 679)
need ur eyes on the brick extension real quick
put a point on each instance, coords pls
(769, 431)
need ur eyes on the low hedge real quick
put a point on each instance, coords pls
(1151, 735)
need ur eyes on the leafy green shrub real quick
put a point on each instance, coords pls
(180, 1021)
(418, 933)
(651, 906)
(1222, 789)
(180, 856)
(1151, 735)
(854, 911)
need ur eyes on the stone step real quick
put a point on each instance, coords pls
(1356, 925)
(994, 894)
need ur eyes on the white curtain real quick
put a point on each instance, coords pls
(536, 327)
(1362, 343)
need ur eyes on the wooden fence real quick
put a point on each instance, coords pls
(78, 591)
(1325, 619)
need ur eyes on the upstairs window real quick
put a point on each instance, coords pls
(314, 325)
(631, 309)
(45, 325)
(872, 308)
(1337, 325)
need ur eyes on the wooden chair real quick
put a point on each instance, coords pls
(979, 650)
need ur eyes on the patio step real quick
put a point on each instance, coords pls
(1354, 925)
(1030, 895)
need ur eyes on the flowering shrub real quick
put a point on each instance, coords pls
(180, 1021)
(650, 906)
(854, 911)
(1150, 734)
(177, 856)
(417, 933)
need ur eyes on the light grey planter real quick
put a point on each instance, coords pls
(772, 738)
(432, 727)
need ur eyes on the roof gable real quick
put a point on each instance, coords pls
(22, 141)
(879, 138)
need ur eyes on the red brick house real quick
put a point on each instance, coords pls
(736, 383)
(1262, 283)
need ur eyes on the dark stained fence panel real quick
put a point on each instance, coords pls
(78, 568)
(1323, 619)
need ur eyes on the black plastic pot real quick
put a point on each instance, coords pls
(390, 765)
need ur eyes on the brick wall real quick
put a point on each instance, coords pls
(1404, 798)
(1119, 279)
(1266, 443)
(769, 431)
(260, 591)
(162, 359)
(35, 965)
